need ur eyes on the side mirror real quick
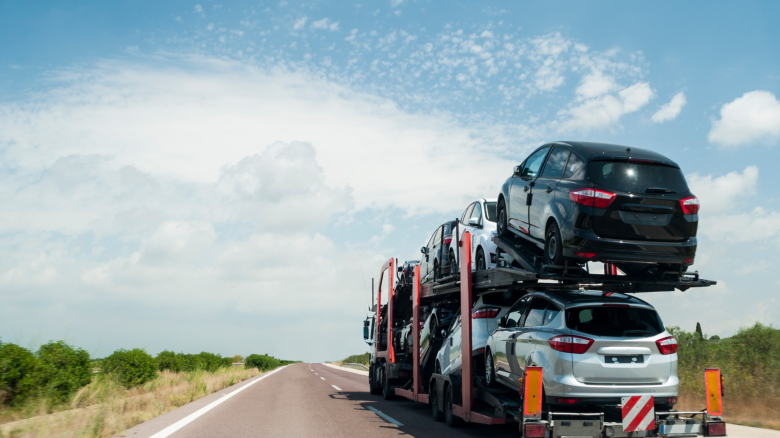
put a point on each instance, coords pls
(474, 222)
(365, 332)
(517, 170)
(424, 250)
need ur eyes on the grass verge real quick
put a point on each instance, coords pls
(104, 408)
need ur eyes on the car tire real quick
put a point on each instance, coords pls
(373, 387)
(490, 370)
(481, 263)
(553, 245)
(450, 418)
(436, 271)
(502, 227)
(453, 263)
(388, 392)
(436, 413)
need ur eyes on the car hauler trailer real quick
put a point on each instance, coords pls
(457, 398)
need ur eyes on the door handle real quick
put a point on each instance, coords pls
(525, 189)
(549, 189)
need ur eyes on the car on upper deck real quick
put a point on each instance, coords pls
(582, 202)
(479, 219)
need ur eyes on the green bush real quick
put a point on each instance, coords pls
(168, 360)
(262, 362)
(64, 369)
(360, 358)
(211, 362)
(227, 362)
(18, 369)
(131, 367)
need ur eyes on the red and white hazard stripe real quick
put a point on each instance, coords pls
(638, 413)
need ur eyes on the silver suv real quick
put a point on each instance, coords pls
(595, 347)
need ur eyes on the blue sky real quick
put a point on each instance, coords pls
(221, 176)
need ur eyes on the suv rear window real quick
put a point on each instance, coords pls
(614, 321)
(637, 177)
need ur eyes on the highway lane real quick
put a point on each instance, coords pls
(318, 400)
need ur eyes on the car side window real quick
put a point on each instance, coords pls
(534, 163)
(575, 168)
(515, 315)
(554, 166)
(437, 236)
(467, 214)
(477, 213)
(536, 311)
(552, 311)
(433, 238)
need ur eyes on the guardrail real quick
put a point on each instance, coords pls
(357, 366)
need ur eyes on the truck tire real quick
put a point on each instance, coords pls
(450, 418)
(388, 393)
(373, 386)
(436, 413)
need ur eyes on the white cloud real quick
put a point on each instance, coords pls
(396, 3)
(596, 84)
(758, 225)
(198, 9)
(671, 110)
(325, 24)
(751, 118)
(300, 23)
(604, 111)
(722, 193)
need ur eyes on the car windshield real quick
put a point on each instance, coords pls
(490, 211)
(635, 177)
(614, 321)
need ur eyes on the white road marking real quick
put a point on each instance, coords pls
(385, 416)
(192, 417)
(337, 388)
(322, 378)
(316, 374)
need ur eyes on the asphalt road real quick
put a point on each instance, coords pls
(315, 400)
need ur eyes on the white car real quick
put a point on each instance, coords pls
(479, 220)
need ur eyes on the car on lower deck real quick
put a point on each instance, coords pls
(583, 202)
(594, 347)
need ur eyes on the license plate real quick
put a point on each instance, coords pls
(624, 359)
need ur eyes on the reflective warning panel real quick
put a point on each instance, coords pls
(714, 396)
(638, 413)
(532, 402)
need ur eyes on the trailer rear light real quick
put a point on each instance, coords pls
(485, 312)
(448, 239)
(716, 429)
(671, 400)
(690, 205)
(587, 255)
(568, 401)
(667, 345)
(689, 261)
(535, 431)
(592, 197)
(570, 344)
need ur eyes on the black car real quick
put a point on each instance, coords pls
(601, 202)
(406, 272)
(439, 255)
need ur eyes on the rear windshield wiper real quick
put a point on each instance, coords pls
(659, 190)
(637, 332)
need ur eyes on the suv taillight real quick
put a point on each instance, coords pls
(570, 344)
(667, 345)
(485, 312)
(690, 205)
(592, 197)
(448, 239)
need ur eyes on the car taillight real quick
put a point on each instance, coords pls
(485, 312)
(587, 255)
(448, 239)
(535, 430)
(716, 429)
(592, 197)
(568, 401)
(667, 345)
(570, 344)
(690, 205)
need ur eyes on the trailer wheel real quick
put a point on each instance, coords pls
(388, 393)
(373, 386)
(437, 414)
(449, 416)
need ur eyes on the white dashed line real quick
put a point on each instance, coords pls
(322, 378)
(385, 416)
(337, 388)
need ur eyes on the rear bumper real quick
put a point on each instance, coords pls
(569, 387)
(612, 250)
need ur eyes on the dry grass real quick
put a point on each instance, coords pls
(739, 409)
(104, 408)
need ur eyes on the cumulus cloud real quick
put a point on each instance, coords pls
(325, 24)
(300, 23)
(754, 117)
(670, 110)
(605, 110)
(721, 193)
